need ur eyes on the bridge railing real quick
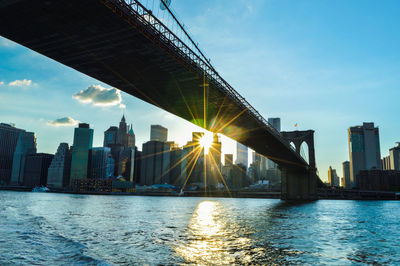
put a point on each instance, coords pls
(188, 51)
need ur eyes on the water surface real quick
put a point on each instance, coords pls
(48, 228)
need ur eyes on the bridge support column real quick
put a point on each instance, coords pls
(298, 185)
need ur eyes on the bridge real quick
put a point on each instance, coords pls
(124, 44)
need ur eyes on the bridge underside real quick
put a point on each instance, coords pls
(98, 40)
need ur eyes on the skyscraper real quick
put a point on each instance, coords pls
(346, 174)
(364, 149)
(8, 141)
(394, 154)
(60, 167)
(123, 132)
(26, 145)
(275, 123)
(158, 133)
(110, 136)
(101, 163)
(333, 178)
(131, 138)
(242, 155)
(36, 169)
(83, 141)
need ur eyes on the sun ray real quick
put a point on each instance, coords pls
(221, 176)
(231, 121)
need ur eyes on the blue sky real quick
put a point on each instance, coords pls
(325, 65)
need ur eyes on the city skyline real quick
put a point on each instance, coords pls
(356, 65)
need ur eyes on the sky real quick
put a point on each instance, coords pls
(324, 65)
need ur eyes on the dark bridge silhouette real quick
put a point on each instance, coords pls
(123, 44)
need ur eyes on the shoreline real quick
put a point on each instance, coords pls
(322, 195)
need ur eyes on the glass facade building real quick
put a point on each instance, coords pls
(83, 141)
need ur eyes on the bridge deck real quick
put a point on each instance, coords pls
(100, 39)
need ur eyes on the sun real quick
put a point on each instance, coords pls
(206, 142)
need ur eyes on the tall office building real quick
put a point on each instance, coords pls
(152, 162)
(386, 163)
(275, 123)
(123, 132)
(8, 141)
(228, 159)
(126, 164)
(333, 178)
(158, 133)
(242, 155)
(346, 174)
(26, 145)
(83, 141)
(36, 169)
(364, 149)
(110, 136)
(101, 163)
(394, 154)
(131, 138)
(60, 167)
(192, 167)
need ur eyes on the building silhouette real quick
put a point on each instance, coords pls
(26, 145)
(242, 154)
(275, 123)
(364, 149)
(60, 168)
(394, 154)
(83, 141)
(36, 169)
(333, 178)
(101, 163)
(9, 135)
(158, 133)
(386, 163)
(346, 174)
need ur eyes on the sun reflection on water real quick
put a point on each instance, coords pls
(212, 239)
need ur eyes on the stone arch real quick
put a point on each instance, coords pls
(300, 137)
(304, 151)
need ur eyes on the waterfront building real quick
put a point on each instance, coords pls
(193, 159)
(364, 149)
(60, 167)
(26, 145)
(346, 174)
(36, 169)
(152, 162)
(378, 180)
(242, 155)
(394, 154)
(83, 141)
(126, 165)
(101, 163)
(158, 133)
(8, 141)
(333, 178)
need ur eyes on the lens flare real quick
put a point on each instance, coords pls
(206, 142)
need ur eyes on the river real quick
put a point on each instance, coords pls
(50, 228)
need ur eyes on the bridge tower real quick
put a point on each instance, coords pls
(300, 183)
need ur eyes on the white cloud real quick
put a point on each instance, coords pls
(20, 83)
(1, 83)
(63, 122)
(100, 96)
